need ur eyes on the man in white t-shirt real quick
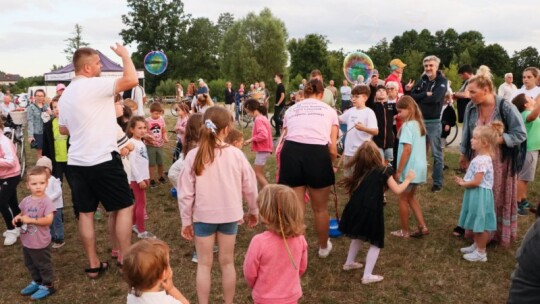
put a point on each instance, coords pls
(507, 88)
(361, 124)
(345, 91)
(95, 167)
(139, 96)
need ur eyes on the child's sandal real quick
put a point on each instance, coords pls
(420, 232)
(400, 234)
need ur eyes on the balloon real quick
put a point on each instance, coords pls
(356, 64)
(155, 62)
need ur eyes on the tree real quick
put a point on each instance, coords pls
(496, 58)
(335, 66)
(381, 57)
(445, 45)
(528, 57)
(74, 42)
(309, 53)
(415, 66)
(199, 56)
(155, 25)
(254, 49)
(225, 21)
(473, 42)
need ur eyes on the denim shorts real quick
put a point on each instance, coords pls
(204, 229)
(387, 154)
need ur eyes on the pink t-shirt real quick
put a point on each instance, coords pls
(269, 270)
(155, 128)
(180, 128)
(310, 122)
(36, 237)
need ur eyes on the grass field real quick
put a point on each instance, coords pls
(428, 270)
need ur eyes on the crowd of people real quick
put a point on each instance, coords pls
(388, 128)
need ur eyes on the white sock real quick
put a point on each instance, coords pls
(371, 259)
(355, 246)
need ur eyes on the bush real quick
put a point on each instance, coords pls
(217, 89)
(166, 88)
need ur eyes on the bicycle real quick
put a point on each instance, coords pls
(14, 130)
(244, 120)
(453, 135)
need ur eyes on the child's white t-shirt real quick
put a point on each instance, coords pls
(355, 138)
(158, 297)
(138, 159)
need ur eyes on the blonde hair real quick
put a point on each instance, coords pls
(281, 211)
(144, 264)
(407, 103)
(131, 104)
(489, 134)
(483, 78)
(219, 118)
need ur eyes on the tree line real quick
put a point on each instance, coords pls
(257, 46)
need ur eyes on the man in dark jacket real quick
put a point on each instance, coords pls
(429, 93)
(385, 113)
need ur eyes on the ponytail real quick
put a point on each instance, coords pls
(254, 105)
(215, 120)
(313, 87)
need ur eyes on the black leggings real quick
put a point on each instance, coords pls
(9, 205)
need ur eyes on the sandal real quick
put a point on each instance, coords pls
(420, 232)
(115, 253)
(400, 234)
(94, 273)
(458, 232)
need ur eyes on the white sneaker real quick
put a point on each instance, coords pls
(146, 235)
(475, 256)
(135, 229)
(323, 253)
(11, 237)
(469, 249)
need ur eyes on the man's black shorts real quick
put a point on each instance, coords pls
(106, 183)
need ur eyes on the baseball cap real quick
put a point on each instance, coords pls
(398, 63)
(60, 87)
(44, 161)
(374, 72)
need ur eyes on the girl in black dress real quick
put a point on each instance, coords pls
(363, 218)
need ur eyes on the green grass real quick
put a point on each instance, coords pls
(428, 270)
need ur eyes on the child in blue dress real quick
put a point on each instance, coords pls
(477, 210)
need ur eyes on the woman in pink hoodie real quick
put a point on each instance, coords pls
(261, 138)
(10, 176)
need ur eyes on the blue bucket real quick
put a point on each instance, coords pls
(173, 192)
(334, 228)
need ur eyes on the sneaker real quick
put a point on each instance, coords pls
(30, 289)
(42, 293)
(162, 180)
(98, 214)
(323, 253)
(523, 204)
(153, 184)
(469, 249)
(216, 248)
(194, 257)
(436, 188)
(135, 229)
(522, 212)
(146, 235)
(58, 244)
(475, 256)
(372, 279)
(11, 236)
(352, 266)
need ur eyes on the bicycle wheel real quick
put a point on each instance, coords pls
(20, 150)
(174, 109)
(453, 135)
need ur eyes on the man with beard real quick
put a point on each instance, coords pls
(429, 94)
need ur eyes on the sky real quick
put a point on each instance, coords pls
(33, 32)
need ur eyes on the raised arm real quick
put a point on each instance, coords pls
(129, 78)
